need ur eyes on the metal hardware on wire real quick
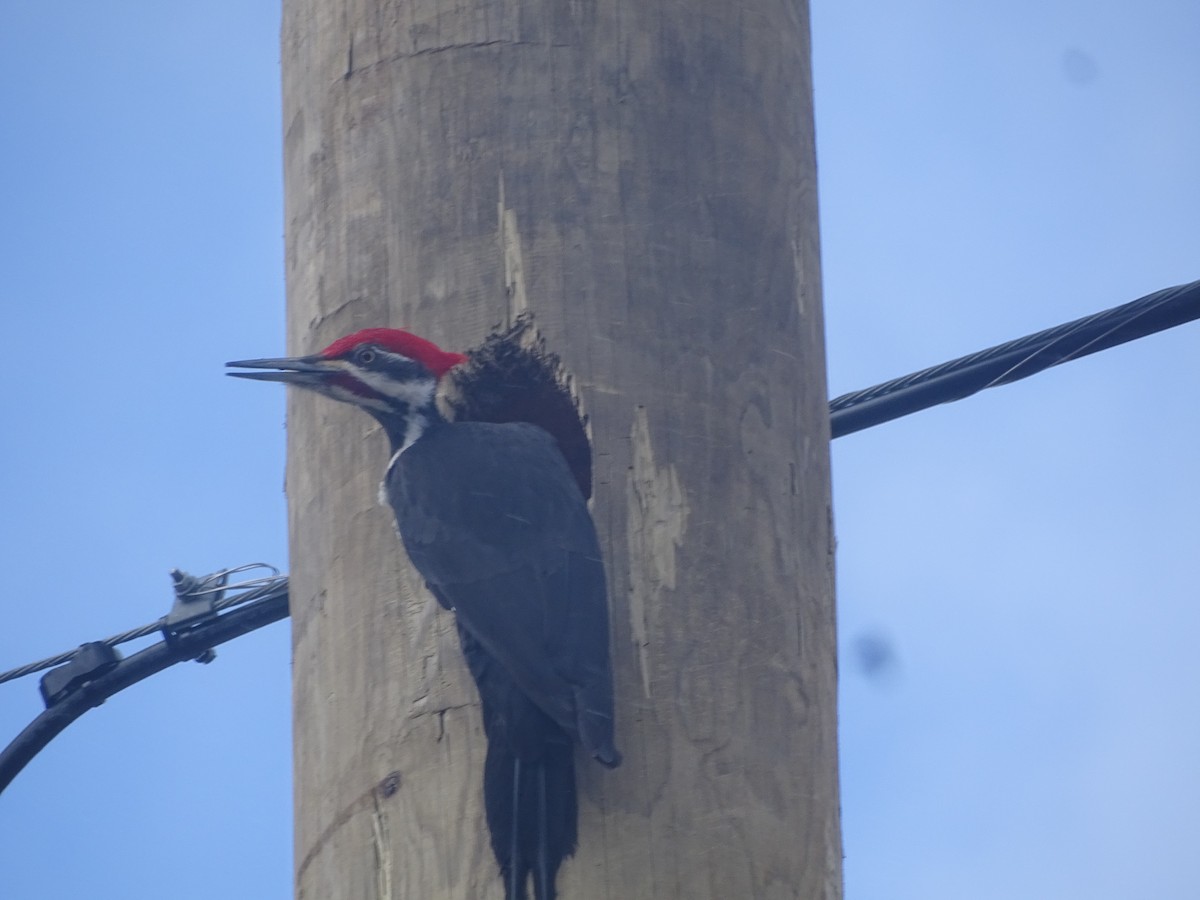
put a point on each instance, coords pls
(227, 595)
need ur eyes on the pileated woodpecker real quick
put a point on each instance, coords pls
(494, 517)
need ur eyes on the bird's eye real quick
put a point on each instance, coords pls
(366, 356)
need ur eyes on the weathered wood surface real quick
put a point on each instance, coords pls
(641, 175)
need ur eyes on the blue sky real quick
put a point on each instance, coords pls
(1028, 556)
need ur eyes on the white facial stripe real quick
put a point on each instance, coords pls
(411, 393)
(416, 428)
(387, 473)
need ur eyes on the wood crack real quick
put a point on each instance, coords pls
(444, 48)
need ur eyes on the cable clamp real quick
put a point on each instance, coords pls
(89, 662)
(196, 602)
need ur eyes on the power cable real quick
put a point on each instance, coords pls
(1014, 360)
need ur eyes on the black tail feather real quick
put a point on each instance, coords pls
(532, 813)
(543, 878)
(528, 780)
(514, 876)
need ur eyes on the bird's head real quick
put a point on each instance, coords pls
(389, 373)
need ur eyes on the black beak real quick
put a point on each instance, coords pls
(302, 371)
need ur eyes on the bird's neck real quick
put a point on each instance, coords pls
(407, 423)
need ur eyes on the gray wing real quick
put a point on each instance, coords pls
(492, 518)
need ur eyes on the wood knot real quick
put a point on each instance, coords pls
(389, 785)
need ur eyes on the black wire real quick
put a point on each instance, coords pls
(184, 646)
(1013, 360)
(234, 599)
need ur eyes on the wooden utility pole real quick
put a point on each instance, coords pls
(640, 174)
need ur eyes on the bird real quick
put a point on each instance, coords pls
(493, 515)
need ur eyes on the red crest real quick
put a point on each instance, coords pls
(429, 354)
